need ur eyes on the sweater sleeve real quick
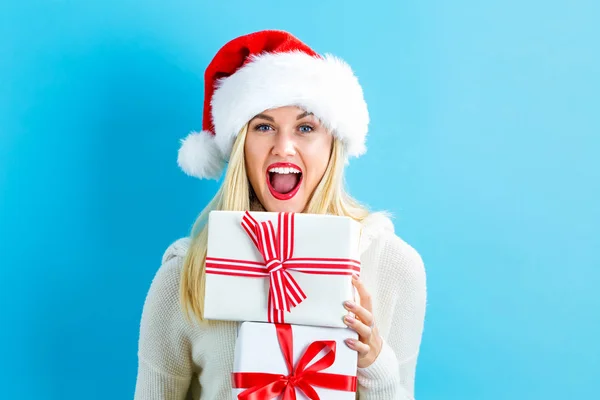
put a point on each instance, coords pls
(164, 350)
(392, 375)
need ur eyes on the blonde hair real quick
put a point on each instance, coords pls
(235, 194)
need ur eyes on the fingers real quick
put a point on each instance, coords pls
(364, 311)
(364, 315)
(362, 348)
(365, 297)
(364, 331)
(362, 322)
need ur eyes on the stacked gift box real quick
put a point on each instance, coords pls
(285, 276)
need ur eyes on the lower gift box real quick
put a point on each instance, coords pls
(289, 362)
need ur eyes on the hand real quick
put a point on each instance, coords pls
(369, 344)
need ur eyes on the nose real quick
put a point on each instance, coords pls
(284, 145)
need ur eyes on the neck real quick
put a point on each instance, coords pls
(256, 205)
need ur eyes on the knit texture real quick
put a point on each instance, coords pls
(182, 361)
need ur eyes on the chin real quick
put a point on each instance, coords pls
(295, 204)
(274, 205)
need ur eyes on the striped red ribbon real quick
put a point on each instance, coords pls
(277, 249)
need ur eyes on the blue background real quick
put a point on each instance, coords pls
(484, 144)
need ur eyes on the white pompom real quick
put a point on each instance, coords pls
(199, 156)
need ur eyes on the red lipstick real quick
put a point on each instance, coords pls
(290, 194)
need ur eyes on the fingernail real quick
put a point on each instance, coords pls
(349, 304)
(350, 318)
(350, 342)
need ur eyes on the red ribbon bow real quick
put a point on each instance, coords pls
(265, 386)
(277, 250)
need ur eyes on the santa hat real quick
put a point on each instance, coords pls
(266, 70)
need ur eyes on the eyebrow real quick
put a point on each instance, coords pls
(268, 118)
(263, 116)
(304, 114)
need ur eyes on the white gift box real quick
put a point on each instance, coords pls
(257, 350)
(245, 298)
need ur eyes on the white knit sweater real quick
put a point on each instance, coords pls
(182, 361)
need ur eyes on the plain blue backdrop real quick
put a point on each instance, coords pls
(484, 143)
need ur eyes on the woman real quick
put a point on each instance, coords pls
(285, 120)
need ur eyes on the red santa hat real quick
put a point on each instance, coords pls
(266, 70)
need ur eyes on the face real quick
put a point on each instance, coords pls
(287, 151)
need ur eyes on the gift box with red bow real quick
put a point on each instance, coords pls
(289, 362)
(280, 267)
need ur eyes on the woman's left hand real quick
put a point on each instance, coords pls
(369, 344)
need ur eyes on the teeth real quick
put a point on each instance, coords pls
(286, 170)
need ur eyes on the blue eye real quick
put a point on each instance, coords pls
(306, 129)
(262, 128)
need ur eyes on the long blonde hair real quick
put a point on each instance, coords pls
(235, 194)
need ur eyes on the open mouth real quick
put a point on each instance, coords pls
(283, 180)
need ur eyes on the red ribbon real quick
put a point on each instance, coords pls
(265, 386)
(277, 250)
